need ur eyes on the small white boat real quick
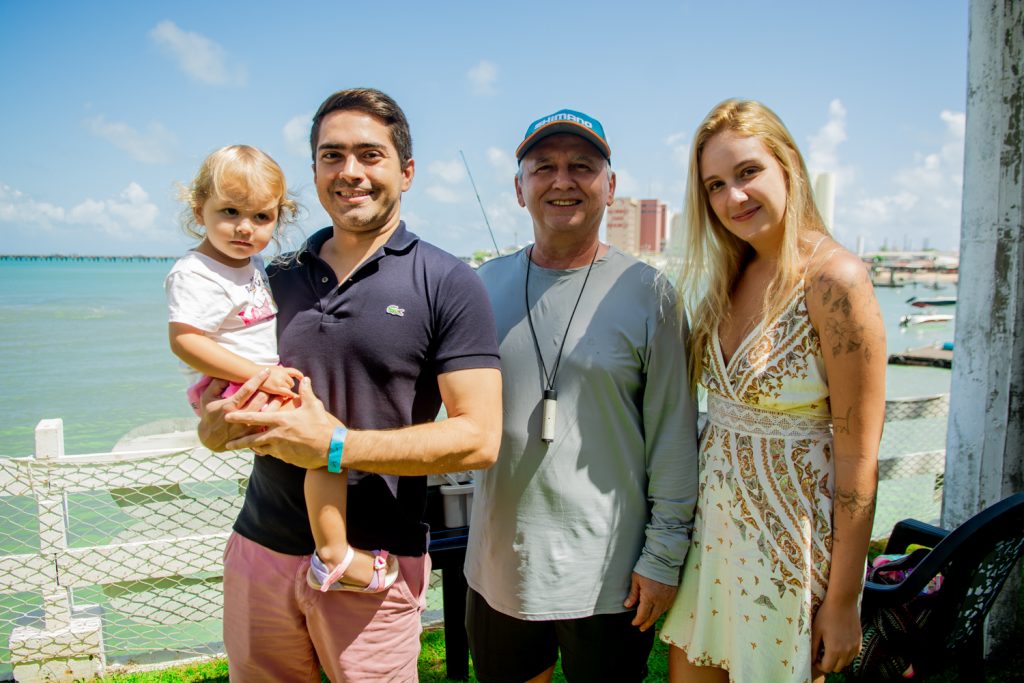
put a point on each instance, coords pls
(924, 318)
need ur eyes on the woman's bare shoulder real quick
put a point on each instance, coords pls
(834, 270)
(841, 302)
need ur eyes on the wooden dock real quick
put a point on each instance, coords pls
(935, 356)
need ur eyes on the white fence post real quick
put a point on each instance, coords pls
(52, 519)
(66, 648)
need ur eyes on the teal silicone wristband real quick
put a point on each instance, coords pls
(334, 451)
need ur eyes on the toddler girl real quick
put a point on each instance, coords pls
(222, 325)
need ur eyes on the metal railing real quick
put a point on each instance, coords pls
(115, 558)
(911, 461)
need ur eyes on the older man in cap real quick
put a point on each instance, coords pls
(581, 528)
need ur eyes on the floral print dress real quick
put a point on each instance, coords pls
(758, 563)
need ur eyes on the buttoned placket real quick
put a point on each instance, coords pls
(324, 297)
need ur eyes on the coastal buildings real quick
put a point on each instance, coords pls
(896, 268)
(622, 224)
(638, 226)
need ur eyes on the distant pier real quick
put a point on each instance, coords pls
(897, 268)
(84, 258)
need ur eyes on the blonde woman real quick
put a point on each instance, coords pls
(788, 340)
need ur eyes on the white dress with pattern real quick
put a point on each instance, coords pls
(758, 563)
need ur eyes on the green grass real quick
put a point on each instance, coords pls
(431, 667)
(203, 672)
(431, 664)
(1007, 665)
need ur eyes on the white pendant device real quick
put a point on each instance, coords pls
(548, 414)
(549, 405)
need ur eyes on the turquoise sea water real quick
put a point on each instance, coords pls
(87, 342)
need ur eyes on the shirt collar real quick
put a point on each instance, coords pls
(399, 241)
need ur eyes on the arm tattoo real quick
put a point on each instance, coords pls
(846, 334)
(856, 503)
(838, 302)
(842, 424)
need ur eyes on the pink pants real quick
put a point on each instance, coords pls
(278, 629)
(195, 392)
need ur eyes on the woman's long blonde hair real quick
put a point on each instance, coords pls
(714, 257)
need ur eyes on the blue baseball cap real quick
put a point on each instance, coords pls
(565, 121)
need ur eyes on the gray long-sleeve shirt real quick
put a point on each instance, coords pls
(557, 529)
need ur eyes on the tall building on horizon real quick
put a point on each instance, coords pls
(622, 224)
(653, 220)
(637, 226)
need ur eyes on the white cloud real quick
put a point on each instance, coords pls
(417, 220)
(451, 175)
(625, 184)
(15, 207)
(679, 148)
(296, 135)
(924, 201)
(199, 57)
(876, 210)
(927, 173)
(952, 150)
(129, 215)
(825, 142)
(444, 194)
(483, 77)
(511, 222)
(956, 122)
(503, 162)
(823, 148)
(152, 147)
(449, 171)
(679, 151)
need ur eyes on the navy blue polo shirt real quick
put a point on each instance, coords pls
(373, 347)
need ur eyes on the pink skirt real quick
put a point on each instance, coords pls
(195, 391)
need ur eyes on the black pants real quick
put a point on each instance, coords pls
(603, 647)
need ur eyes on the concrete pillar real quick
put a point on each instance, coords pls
(985, 441)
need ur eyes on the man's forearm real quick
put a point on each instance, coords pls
(467, 440)
(451, 445)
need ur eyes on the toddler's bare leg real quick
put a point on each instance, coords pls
(326, 498)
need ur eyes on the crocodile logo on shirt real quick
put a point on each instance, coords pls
(395, 310)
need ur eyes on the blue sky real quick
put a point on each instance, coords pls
(107, 106)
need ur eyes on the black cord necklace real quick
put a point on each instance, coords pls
(547, 430)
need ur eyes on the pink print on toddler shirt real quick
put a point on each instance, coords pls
(262, 306)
